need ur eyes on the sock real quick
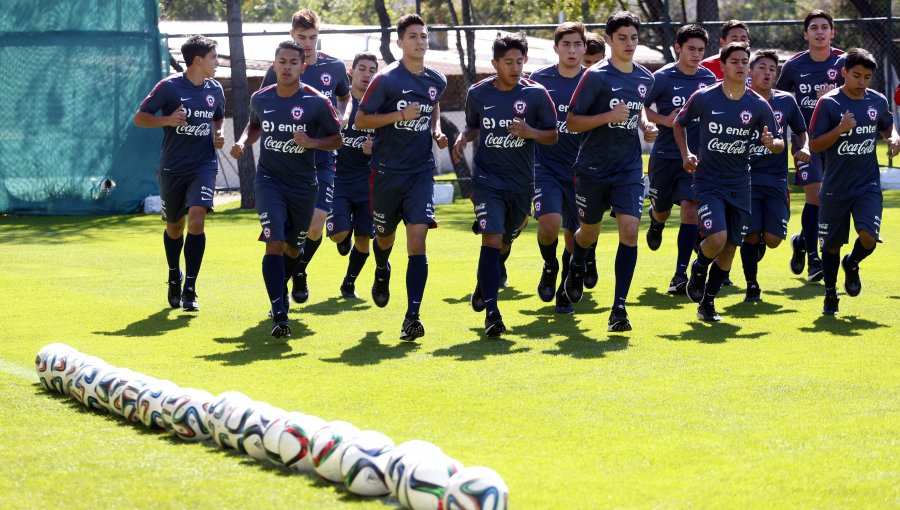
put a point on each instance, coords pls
(566, 259)
(579, 255)
(591, 252)
(173, 255)
(355, 265)
(489, 276)
(194, 246)
(416, 276)
(309, 249)
(548, 252)
(656, 224)
(626, 260)
(273, 276)
(703, 259)
(687, 235)
(749, 259)
(290, 266)
(860, 252)
(830, 264)
(381, 256)
(717, 275)
(809, 222)
(503, 259)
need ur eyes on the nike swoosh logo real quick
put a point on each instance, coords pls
(407, 91)
(617, 88)
(268, 111)
(804, 75)
(717, 113)
(551, 90)
(488, 107)
(185, 99)
(676, 88)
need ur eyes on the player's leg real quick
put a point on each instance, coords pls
(173, 241)
(750, 246)
(300, 292)
(711, 212)
(809, 220)
(548, 204)
(198, 200)
(866, 212)
(662, 180)
(563, 303)
(337, 223)
(417, 208)
(384, 190)
(363, 232)
(489, 281)
(592, 200)
(627, 202)
(687, 237)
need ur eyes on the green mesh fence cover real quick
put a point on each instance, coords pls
(73, 74)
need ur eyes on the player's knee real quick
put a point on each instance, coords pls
(361, 243)
(689, 212)
(291, 251)
(867, 240)
(275, 248)
(752, 238)
(340, 236)
(772, 240)
(715, 242)
(493, 241)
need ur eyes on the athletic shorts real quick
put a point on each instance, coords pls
(499, 211)
(557, 196)
(835, 212)
(722, 210)
(593, 198)
(669, 183)
(179, 192)
(406, 197)
(284, 212)
(351, 209)
(810, 173)
(770, 210)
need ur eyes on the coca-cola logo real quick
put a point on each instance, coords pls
(873, 113)
(297, 112)
(194, 130)
(355, 143)
(285, 146)
(642, 90)
(746, 116)
(326, 79)
(832, 74)
(519, 106)
(210, 100)
(808, 102)
(432, 93)
(503, 142)
(735, 147)
(846, 148)
(415, 125)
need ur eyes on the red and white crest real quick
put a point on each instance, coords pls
(519, 106)
(778, 116)
(297, 112)
(832, 74)
(267, 233)
(701, 86)
(804, 175)
(330, 226)
(210, 100)
(326, 79)
(746, 116)
(707, 223)
(380, 228)
(537, 207)
(872, 112)
(432, 93)
(642, 90)
(482, 223)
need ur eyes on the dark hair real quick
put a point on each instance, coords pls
(291, 45)
(691, 32)
(196, 46)
(594, 44)
(732, 24)
(516, 41)
(860, 57)
(761, 54)
(622, 19)
(406, 20)
(732, 47)
(305, 19)
(569, 27)
(364, 55)
(817, 13)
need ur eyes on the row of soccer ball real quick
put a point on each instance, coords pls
(417, 473)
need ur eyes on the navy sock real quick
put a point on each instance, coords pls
(194, 246)
(173, 255)
(381, 256)
(566, 259)
(273, 276)
(489, 276)
(309, 249)
(717, 275)
(416, 276)
(290, 266)
(703, 259)
(750, 260)
(687, 236)
(503, 259)
(860, 252)
(809, 222)
(356, 263)
(830, 264)
(548, 252)
(626, 260)
(591, 252)
(579, 255)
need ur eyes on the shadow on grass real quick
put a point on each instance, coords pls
(480, 349)
(504, 294)
(713, 333)
(575, 343)
(742, 310)
(22, 229)
(332, 306)
(258, 344)
(370, 351)
(657, 300)
(805, 290)
(842, 325)
(157, 324)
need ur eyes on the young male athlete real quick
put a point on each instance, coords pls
(328, 75)
(192, 107)
(845, 125)
(732, 31)
(608, 108)
(507, 114)
(669, 183)
(809, 75)
(350, 220)
(731, 118)
(554, 184)
(401, 105)
(594, 49)
(770, 206)
(293, 119)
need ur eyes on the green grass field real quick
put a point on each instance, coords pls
(776, 407)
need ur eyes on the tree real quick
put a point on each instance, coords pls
(240, 100)
(385, 21)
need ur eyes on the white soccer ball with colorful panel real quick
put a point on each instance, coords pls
(405, 455)
(150, 401)
(423, 483)
(219, 411)
(294, 440)
(184, 413)
(476, 488)
(50, 364)
(364, 461)
(252, 435)
(327, 445)
(87, 384)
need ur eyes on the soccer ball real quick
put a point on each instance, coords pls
(74, 363)
(403, 457)
(364, 461)
(63, 369)
(476, 488)
(106, 385)
(231, 433)
(219, 411)
(423, 483)
(293, 442)
(150, 401)
(254, 430)
(184, 413)
(117, 389)
(128, 397)
(326, 447)
(271, 437)
(49, 363)
(85, 386)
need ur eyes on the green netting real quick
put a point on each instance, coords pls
(74, 72)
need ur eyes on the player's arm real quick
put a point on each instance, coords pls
(343, 108)
(893, 139)
(689, 161)
(581, 123)
(801, 148)
(218, 134)
(648, 128)
(658, 118)
(248, 137)
(436, 134)
(149, 120)
(521, 129)
(468, 134)
(324, 143)
(379, 120)
(825, 140)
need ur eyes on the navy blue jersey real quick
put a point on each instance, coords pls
(504, 161)
(277, 118)
(351, 162)
(671, 90)
(769, 169)
(803, 77)
(187, 149)
(851, 165)
(557, 160)
(611, 151)
(726, 132)
(405, 146)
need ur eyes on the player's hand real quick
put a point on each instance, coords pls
(519, 128)
(303, 140)
(620, 113)
(440, 139)
(893, 146)
(219, 139)
(178, 117)
(848, 122)
(367, 146)
(237, 151)
(650, 132)
(458, 147)
(411, 112)
(690, 163)
(803, 155)
(767, 138)
(823, 91)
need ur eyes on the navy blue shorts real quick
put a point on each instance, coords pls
(407, 197)
(351, 209)
(810, 173)
(770, 210)
(556, 196)
(593, 198)
(284, 212)
(834, 216)
(178, 193)
(722, 210)
(500, 212)
(325, 196)
(669, 183)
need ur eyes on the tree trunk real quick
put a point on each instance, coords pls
(708, 11)
(586, 16)
(385, 22)
(468, 68)
(240, 99)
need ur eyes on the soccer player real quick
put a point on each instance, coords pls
(608, 108)
(401, 105)
(731, 118)
(328, 75)
(732, 31)
(293, 119)
(507, 114)
(809, 75)
(554, 185)
(594, 49)
(845, 125)
(352, 209)
(770, 205)
(669, 183)
(192, 107)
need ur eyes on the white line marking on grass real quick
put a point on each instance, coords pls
(18, 371)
